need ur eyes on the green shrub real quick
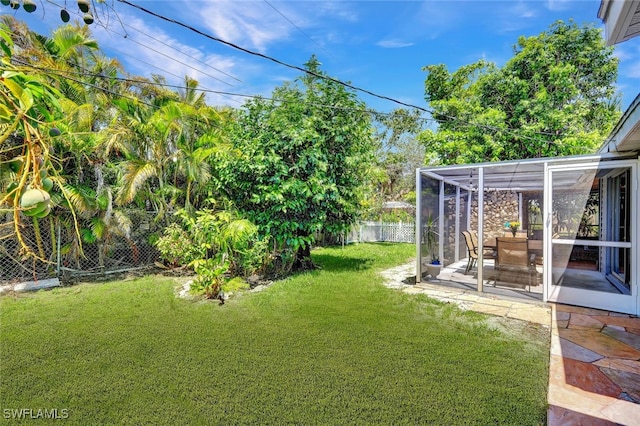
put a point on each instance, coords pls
(253, 257)
(397, 216)
(176, 246)
(234, 285)
(216, 244)
(210, 277)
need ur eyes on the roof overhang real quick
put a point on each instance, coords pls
(621, 19)
(516, 175)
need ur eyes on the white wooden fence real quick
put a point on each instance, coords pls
(382, 231)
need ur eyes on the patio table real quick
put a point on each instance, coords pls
(533, 246)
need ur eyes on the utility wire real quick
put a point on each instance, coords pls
(291, 22)
(512, 132)
(86, 83)
(203, 88)
(325, 77)
(86, 73)
(270, 58)
(124, 26)
(188, 56)
(172, 58)
(59, 74)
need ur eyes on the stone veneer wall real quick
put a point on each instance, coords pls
(499, 207)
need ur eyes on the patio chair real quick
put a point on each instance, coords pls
(513, 260)
(472, 249)
(472, 252)
(487, 253)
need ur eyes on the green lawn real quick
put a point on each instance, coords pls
(332, 346)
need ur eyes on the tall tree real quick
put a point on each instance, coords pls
(556, 96)
(302, 158)
(398, 151)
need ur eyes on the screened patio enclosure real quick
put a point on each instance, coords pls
(565, 228)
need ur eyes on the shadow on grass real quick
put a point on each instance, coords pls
(357, 257)
(333, 263)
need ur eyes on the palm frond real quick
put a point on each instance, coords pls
(82, 199)
(122, 223)
(136, 173)
(98, 227)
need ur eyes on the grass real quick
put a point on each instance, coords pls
(332, 346)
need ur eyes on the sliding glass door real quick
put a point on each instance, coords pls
(590, 235)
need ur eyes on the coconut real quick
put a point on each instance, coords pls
(37, 209)
(5, 2)
(54, 131)
(29, 6)
(64, 15)
(15, 4)
(47, 184)
(83, 5)
(34, 201)
(88, 18)
(43, 213)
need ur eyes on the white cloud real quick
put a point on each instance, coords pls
(621, 52)
(393, 44)
(148, 50)
(435, 18)
(522, 10)
(558, 5)
(632, 70)
(249, 24)
(337, 10)
(516, 17)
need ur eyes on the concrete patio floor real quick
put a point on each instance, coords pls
(594, 361)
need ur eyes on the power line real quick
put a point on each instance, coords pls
(57, 73)
(103, 89)
(124, 26)
(86, 73)
(271, 58)
(173, 59)
(325, 77)
(161, 69)
(512, 132)
(291, 22)
(188, 56)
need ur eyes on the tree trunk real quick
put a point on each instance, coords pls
(303, 259)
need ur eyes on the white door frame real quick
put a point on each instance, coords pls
(589, 298)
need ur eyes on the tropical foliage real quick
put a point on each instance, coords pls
(80, 141)
(556, 96)
(85, 146)
(299, 163)
(89, 145)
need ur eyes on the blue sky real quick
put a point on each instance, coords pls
(377, 45)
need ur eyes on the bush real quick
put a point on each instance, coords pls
(176, 246)
(216, 244)
(210, 277)
(397, 216)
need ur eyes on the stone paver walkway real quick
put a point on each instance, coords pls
(594, 366)
(539, 313)
(594, 369)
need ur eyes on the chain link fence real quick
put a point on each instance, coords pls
(66, 253)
